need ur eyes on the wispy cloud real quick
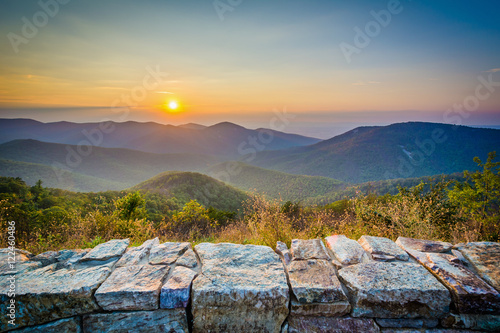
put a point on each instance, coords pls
(164, 92)
(494, 70)
(365, 83)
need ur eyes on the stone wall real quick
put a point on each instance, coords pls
(331, 285)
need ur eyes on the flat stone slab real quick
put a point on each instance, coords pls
(159, 321)
(489, 323)
(241, 288)
(176, 291)
(47, 294)
(394, 290)
(137, 255)
(315, 281)
(298, 324)
(113, 248)
(134, 287)
(336, 309)
(382, 246)
(167, 253)
(407, 323)
(346, 250)
(308, 249)
(423, 245)
(484, 258)
(69, 325)
(470, 293)
(188, 259)
(284, 252)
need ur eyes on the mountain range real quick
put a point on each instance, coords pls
(280, 165)
(223, 139)
(400, 150)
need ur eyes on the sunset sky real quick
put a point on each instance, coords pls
(240, 60)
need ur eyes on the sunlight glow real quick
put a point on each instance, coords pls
(173, 105)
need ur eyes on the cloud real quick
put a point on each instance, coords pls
(363, 83)
(164, 92)
(494, 70)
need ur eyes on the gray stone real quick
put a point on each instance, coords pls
(47, 294)
(490, 323)
(21, 255)
(484, 258)
(113, 248)
(135, 287)
(383, 257)
(315, 281)
(284, 252)
(470, 293)
(137, 255)
(383, 246)
(167, 253)
(188, 259)
(19, 267)
(346, 250)
(335, 309)
(394, 290)
(241, 288)
(69, 325)
(298, 324)
(407, 323)
(159, 321)
(176, 291)
(460, 258)
(308, 249)
(46, 258)
(74, 260)
(423, 245)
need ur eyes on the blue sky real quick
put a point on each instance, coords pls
(262, 56)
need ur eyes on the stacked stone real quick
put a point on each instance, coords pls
(369, 285)
(111, 288)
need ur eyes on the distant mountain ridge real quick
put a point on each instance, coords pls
(402, 150)
(122, 167)
(223, 139)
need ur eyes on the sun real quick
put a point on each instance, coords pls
(173, 105)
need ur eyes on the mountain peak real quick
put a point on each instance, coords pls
(226, 125)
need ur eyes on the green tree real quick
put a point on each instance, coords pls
(479, 196)
(131, 207)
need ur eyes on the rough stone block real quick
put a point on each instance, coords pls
(484, 258)
(394, 290)
(308, 249)
(47, 294)
(470, 293)
(113, 248)
(134, 287)
(315, 281)
(336, 309)
(346, 250)
(382, 246)
(159, 321)
(167, 253)
(284, 252)
(423, 245)
(137, 255)
(297, 324)
(69, 325)
(176, 291)
(241, 288)
(490, 323)
(188, 259)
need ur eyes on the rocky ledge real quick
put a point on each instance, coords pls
(332, 285)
